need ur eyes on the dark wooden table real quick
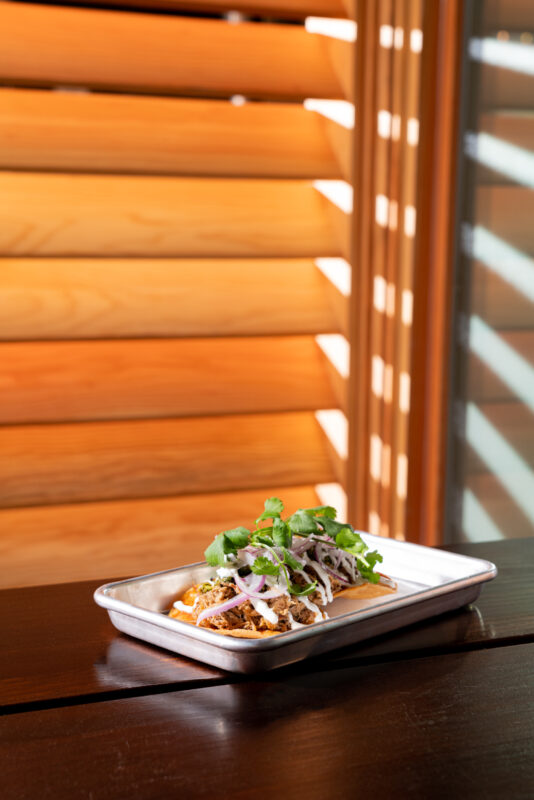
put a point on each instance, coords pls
(442, 709)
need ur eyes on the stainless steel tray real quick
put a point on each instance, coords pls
(429, 582)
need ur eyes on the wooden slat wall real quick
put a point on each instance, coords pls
(277, 9)
(111, 298)
(159, 296)
(68, 381)
(121, 538)
(79, 215)
(69, 132)
(48, 464)
(47, 45)
(382, 339)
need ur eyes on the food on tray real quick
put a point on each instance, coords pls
(281, 576)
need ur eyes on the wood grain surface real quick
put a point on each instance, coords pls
(104, 298)
(292, 9)
(80, 215)
(48, 464)
(456, 725)
(129, 537)
(57, 643)
(69, 381)
(50, 46)
(45, 130)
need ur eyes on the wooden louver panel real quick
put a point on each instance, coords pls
(100, 133)
(48, 464)
(52, 45)
(280, 9)
(62, 215)
(68, 381)
(99, 540)
(103, 298)
(159, 298)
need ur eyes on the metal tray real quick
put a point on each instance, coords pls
(429, 582)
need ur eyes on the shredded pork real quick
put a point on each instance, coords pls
(245, 616)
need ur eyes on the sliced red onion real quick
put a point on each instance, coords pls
(336, 559)
(335, 574)
(212, 611)
(255, 590)
(302, 547)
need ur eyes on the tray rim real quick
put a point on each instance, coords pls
(486, 571)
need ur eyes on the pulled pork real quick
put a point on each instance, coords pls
(245, 615)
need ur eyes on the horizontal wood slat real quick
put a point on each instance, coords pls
(291, 9)
(50, 45)
(69, 381)
(45, 130)
(95, 540)
(92, 298)
(70, 215)
(50, 464)
(507, 211)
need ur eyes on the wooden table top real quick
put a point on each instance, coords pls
(443, 708)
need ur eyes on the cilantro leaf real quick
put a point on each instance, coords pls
(290, 559)
(273, 509)
(264, 566)
(302, 522)
(325, 511)
(215, 553)
(366, 566)
(281, 533)
(263, 536)
(238, 536)
(226, 543)
(302, 591)
(331, 527)
(352, 542)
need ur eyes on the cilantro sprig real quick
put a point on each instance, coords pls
(278, 565)
(314, 523)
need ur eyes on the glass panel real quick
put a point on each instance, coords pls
(491, 465)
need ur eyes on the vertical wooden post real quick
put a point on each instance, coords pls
(361, 258)
(442, 37)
